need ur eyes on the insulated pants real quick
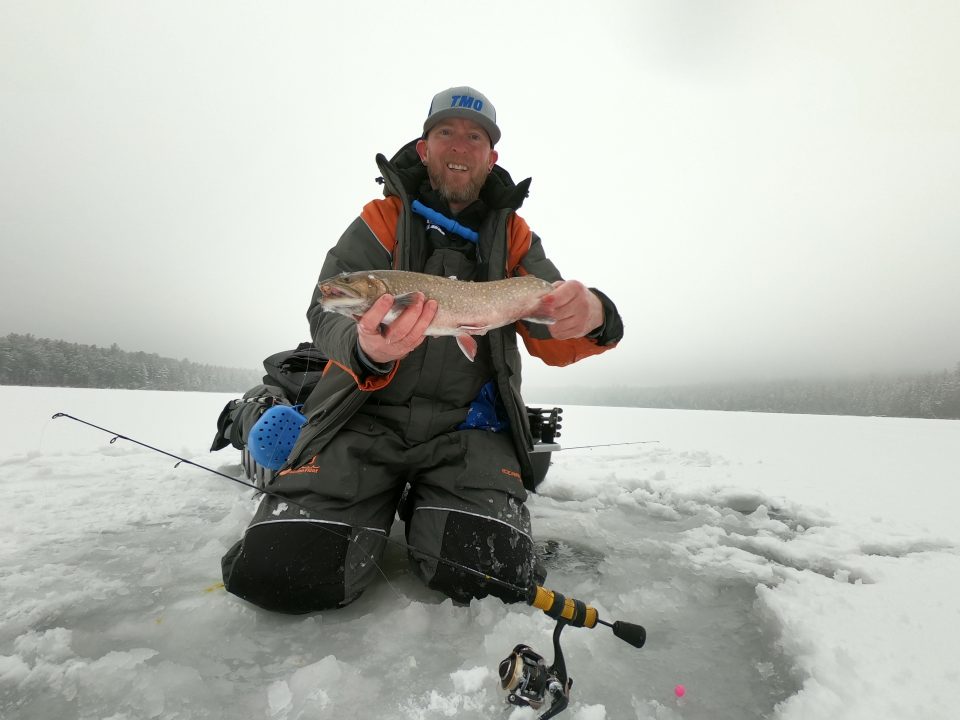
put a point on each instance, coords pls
(464, 503)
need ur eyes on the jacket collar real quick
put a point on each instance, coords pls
(404, 174)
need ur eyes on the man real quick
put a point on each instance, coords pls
(396, 413)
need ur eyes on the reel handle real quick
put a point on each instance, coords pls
(632, 633)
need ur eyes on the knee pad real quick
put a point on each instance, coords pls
(290, 567)
(487, 545)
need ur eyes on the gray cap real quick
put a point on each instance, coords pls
(464, 102)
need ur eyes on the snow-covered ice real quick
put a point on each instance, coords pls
(784, 566)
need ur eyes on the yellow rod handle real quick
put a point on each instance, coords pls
(573, 611)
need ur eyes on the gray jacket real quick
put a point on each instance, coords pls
(389, 235)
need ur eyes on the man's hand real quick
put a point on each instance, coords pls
(402, 336)
(577, 310)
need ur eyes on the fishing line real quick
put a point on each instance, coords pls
(524, 674)
(353, 538)
(588, 447)
(563, 609)
(521, 591)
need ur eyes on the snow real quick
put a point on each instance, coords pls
(784, 566)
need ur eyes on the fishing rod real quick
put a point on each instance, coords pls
(589, 447)
(545, 425)
(524, 675)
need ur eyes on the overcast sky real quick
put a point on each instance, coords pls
(765, 188)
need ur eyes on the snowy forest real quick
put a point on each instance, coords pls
(920, 395)
(27, 360)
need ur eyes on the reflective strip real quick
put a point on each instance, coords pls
(310, 520)
(478, 515)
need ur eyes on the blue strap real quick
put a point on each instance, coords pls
(444, 222)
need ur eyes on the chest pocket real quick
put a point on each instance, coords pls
(449, 255)
(450, 263)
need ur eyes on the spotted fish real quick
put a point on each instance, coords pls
(464, 309)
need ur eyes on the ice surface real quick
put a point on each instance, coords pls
(784, 566)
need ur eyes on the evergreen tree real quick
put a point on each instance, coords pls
(26, 360)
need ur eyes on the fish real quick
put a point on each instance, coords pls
(464, 308)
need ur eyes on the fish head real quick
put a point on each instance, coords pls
(350, 294)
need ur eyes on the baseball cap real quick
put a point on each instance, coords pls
(464, 102)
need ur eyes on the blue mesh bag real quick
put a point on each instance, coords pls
(272, 437)
(486, 412)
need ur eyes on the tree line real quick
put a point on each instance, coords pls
(921, 395)
(27, 360)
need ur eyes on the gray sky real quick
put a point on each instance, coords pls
(765, 188)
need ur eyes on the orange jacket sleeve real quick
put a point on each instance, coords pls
(524, 257)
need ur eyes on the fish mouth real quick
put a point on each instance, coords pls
(335, 291)
(338, 299)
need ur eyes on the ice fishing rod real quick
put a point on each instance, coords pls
(545, 425)
(523, 675)
(119, 436)
(572, 611)
(589, 447)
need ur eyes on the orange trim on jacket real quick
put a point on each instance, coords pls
(519, 240)
(374, 382)
(381, 217)
(552, 352)
(559, 353)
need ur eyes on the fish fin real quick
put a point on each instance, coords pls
(400, 303)
(404, 300)
(541, 319)
(468, 346)
(474, 329)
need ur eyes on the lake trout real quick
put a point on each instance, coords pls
(464, 308)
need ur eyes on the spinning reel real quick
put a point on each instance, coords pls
(527, 680)
(525, 676)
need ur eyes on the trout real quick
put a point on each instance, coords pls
(464, 308)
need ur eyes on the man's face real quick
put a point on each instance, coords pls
(458, 157)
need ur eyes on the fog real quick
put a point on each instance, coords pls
(764, 188)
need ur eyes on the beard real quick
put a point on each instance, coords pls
(463, 192)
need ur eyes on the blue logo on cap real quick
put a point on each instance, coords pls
(467, 102)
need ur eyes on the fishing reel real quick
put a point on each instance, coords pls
(525, 676)
(528, 682)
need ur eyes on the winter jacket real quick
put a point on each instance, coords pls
(389, 235)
